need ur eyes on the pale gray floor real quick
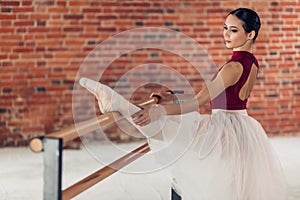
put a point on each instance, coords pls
(21, 174)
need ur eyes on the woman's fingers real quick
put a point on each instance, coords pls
(143, 122)
(137, 115)
(147, 115)
(141, 118)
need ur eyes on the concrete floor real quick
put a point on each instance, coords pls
(21, 174)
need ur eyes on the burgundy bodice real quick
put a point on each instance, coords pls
(229, 99)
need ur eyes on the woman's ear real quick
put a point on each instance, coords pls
(251, 35)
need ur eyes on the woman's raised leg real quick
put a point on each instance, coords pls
(109, 100)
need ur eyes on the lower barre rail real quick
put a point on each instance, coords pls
(103, 173)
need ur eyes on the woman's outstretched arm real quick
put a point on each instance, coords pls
(227, 76)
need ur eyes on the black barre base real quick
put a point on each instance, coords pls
(174, 195)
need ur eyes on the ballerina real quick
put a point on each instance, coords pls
(227, 154)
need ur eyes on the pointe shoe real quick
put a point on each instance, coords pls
(108, 99)
(95, 88)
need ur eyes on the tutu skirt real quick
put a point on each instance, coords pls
(229, 158)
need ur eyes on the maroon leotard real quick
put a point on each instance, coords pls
(229, 99)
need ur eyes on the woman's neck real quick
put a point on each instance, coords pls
(246, 47)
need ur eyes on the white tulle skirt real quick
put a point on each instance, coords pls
(229, 158)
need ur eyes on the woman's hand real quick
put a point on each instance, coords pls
(149, 114)
(164, 97)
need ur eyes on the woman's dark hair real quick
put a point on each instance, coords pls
(249, 18)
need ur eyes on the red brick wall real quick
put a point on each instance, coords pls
(44, 42)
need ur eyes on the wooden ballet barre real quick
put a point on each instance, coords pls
(103, 173)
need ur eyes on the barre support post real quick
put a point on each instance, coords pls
(52, 168)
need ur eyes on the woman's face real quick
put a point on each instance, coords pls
(234, 34)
